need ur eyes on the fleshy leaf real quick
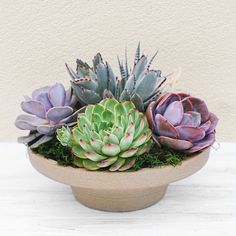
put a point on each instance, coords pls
(93, 156)
(57, 95)
(129, 153)
(128, 164)
(176, 144)
(90, 165)
(111, 149)
(118, 164)
(174, 113)
(107, 162)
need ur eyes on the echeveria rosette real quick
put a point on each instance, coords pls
(108, 135)
(48, 109)
(181, 122)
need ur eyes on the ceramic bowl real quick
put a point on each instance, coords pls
(118, 191)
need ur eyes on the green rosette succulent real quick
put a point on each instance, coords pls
(109, 135)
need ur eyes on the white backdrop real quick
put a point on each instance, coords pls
(37, 37)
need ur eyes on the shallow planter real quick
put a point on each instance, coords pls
(118, 191)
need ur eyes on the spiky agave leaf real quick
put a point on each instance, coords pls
(109, 135)
(91, 85)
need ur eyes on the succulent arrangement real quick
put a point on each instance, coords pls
(109, 122)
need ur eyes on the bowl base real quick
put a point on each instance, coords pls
(117, 200)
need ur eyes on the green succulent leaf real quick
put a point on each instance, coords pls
(111, 149)
(78, 162)
(117, 165)
(90, 165)
(107, 162)
(89, 112)
(129, 163)
(93, 156)
(110, 138)
(129, 153)
(78, 152)
(108, 116)
(97, 145)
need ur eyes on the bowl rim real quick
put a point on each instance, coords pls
(147, 177)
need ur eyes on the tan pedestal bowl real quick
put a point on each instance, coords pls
(118, 191)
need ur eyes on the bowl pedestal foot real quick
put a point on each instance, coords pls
(119, 200)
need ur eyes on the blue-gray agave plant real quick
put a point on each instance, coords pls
(139, 85)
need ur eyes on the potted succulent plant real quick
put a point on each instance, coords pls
(118, 142)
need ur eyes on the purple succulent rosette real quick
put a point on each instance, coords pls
(181, 122)
(48, 109)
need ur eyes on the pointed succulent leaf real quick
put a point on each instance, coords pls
(110, 104)
(140, 128)
(78, 135)
(108, 116)
(139, 68)
(144, 148)
(111, 149)
(137, 54)
(140, 140)
(127, 140)
(107, 162)
(102, 78)
(119, 110)
(153, 82)
(64, 136)
(111, 79)
(110, 138)
(96, 61)
(138, 102)
(118, 131)
(85, 145)
(117, 165)
(125, 95)
(129, 87)
(151, 60)
(107, 94)
(97, 145)
(128, 106)
(93, 156)
(82, 121)
(90, 165)
(89, 112)
(78, 162)
(129, 163)
(87, 83)
(78, 152)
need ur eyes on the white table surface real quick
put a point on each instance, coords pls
(31, 204)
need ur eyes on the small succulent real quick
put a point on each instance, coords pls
(108, 135)
(140, 85)
(181, 122)
(48, 109)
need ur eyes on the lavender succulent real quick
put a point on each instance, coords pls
(48, 109)
(181, 122)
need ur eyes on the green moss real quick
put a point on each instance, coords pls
(156, 157)
(159, 157)
(54, 150)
